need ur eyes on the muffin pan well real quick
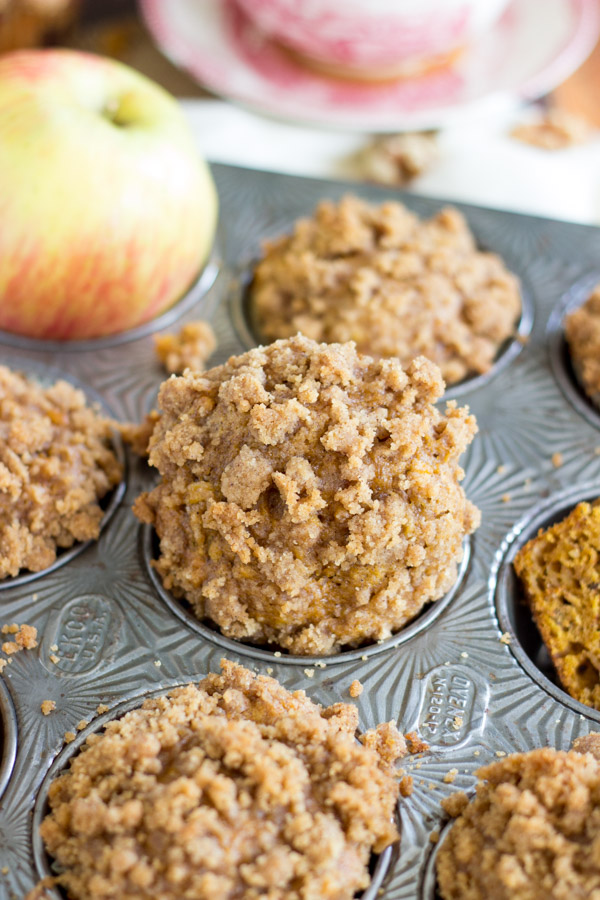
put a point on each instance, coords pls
(45, 376)
(513, 611)
(562, 366)
(8, 736)
(211, 632)
(428, 889)
(189, 300)
(379, 864)
(450, 675)
(248, 332)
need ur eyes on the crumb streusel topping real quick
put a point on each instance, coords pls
(310, 496)
(232, 789)
(582, 330)
(588, 743)
(531, 833)
(56, 463)
(396, 285)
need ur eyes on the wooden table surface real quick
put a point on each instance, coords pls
(126, 38)
(581, 92)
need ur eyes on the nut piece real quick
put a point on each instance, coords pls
(234, 788)
(310, 496)
(397, 286)
(531, 833)
(560, 573)
(398, 158)
(55, 465)
(555, 130)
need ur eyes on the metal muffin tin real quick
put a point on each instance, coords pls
(449, 675)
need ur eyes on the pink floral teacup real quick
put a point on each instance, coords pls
(373, 38)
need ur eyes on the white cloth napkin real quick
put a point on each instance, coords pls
(479, 163)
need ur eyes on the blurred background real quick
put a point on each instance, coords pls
(518, 132)
(109, 27)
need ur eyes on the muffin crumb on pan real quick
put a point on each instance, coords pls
(396, 285)
(190, 348)
(589, 743)
(531, 832)
(137, 436)
(56, 463)
(386, 741)
(406, 785)
(310, 496)
(232, 788)
(415, 744)
(25, 638)
(560, 573)
(355, 689)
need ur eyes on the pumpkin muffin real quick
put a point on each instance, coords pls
(582, 330)
(531, 832)
(560, 573)
(396, 285)
(310, 497)
(232, 789)
(56, 464)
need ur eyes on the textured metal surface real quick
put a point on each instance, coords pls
(428, 881)
(449, 676)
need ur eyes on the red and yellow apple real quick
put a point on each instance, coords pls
(107, 213)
